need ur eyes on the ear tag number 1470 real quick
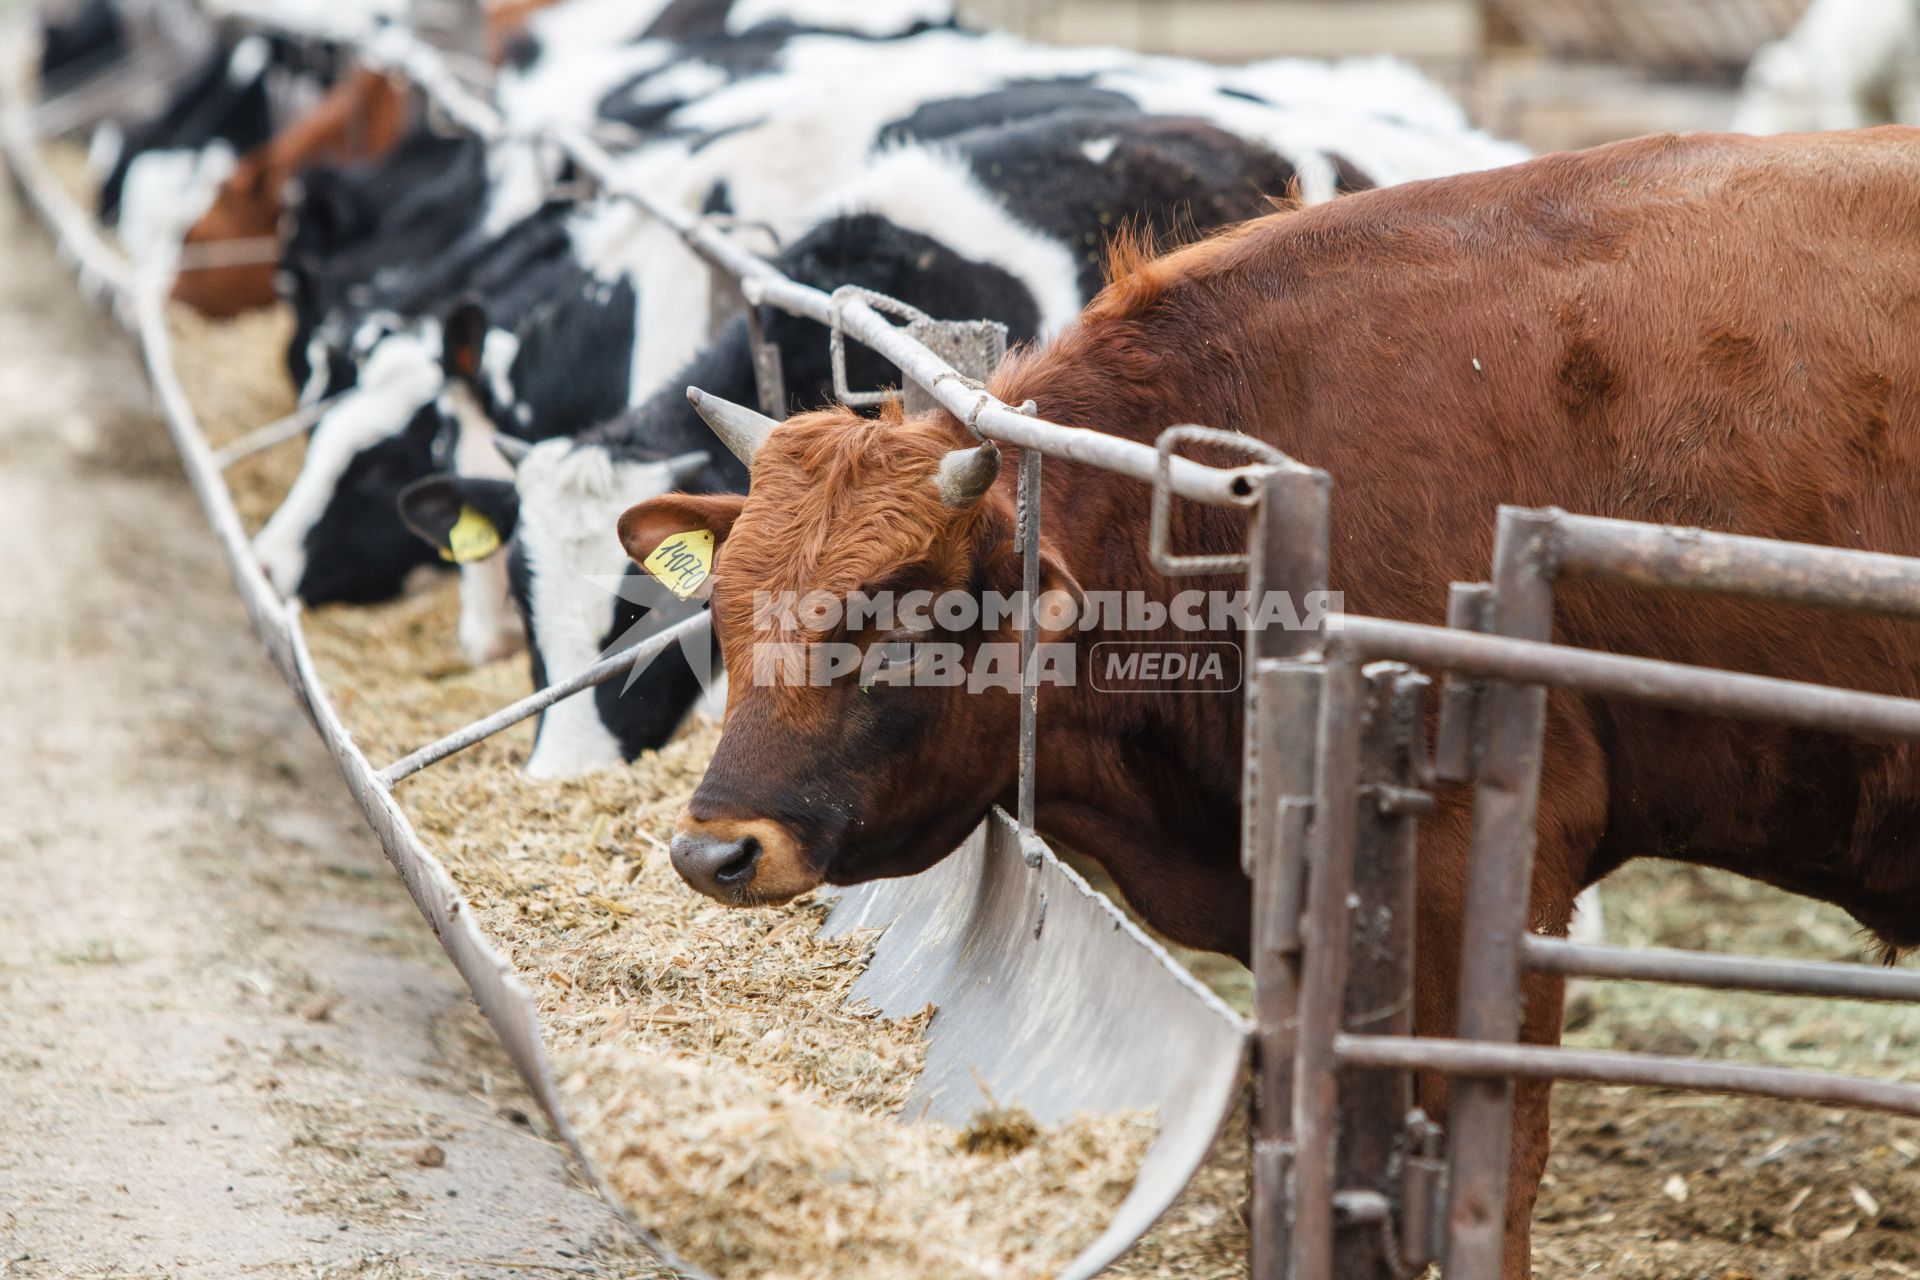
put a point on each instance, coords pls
(683, 562)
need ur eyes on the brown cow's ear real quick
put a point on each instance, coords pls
(1055, 580)
(675, 537)
(463, 339)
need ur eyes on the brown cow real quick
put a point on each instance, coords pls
(361, 118)
(1711, 330)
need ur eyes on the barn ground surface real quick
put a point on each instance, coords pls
(228, 1045)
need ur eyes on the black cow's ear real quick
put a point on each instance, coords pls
(465, 519)
(463, 337)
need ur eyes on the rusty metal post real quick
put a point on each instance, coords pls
(1373, 1138)
(1029, 537)
(1499, 879)
(1288, 553)
(1323, 963)
(725, 299)
(1469, 608)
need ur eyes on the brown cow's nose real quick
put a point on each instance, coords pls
(718, 868)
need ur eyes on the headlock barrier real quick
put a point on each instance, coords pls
(1081, 1010)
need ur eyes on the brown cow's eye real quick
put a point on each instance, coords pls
(895, 655)
(891, 660)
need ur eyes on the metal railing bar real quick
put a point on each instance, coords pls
(1838, 980)
(277, 432)
(540, 699)
(1671, 684)
(1195, 481)
(762, 283)
(1610, 1066)
(1685, 559)
(399, 52)
(272, 617)
(312, 24)
(100, 263)
(1029, 538)
(217, 255)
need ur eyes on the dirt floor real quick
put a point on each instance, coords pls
(1649, 1185)
(228, 1045)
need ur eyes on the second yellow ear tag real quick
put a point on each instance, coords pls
(472, 537)
(683, 561)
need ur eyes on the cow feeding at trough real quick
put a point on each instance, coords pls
(1068, 1175)
(833, 773)
(671, 1056)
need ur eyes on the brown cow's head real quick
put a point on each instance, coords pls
(247, 207)
(862, 775)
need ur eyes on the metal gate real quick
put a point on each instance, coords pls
(1349, 1177)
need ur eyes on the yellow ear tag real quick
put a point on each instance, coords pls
(683, 561)
(472, 537)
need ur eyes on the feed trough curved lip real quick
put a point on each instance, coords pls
(1044, 991)
(1085, 1012)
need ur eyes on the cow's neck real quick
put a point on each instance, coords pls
(1166, 834)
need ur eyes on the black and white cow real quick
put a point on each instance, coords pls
(359, 236)
(559, 290)
(764, 148)
(1006, 222)
(74, 46)
(159, 175)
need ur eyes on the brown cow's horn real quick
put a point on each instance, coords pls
(965, 475)
(740, 429)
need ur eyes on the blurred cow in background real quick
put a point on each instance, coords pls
(1846, 64)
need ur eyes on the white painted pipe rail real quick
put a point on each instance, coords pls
(761, 282)
(539, 700)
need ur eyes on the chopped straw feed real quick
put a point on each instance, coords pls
(709, 1059)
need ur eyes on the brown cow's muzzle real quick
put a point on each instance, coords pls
(743, 862)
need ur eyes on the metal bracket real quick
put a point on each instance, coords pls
(769, 377)
(1455, 740)
(974, 347)
(1398, 802)
(1161, 513)
(1287, 902)
(1423, 1193)
(837, 341)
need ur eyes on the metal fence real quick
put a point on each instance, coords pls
(1350, 1180)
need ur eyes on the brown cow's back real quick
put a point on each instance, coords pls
(1707, 330)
